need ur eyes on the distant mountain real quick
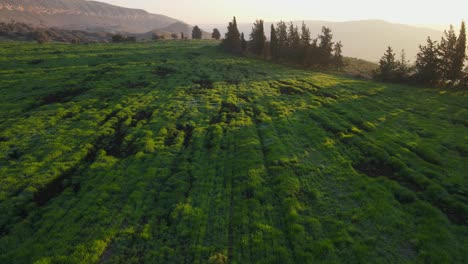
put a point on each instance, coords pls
(81, 15)
(366, 39)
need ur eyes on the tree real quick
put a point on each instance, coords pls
(232, 40)
(216, 34)
(294, 39)
(402, 70)
(337, 55)
(257, 38)
(196, 33)
(118, 38)
(305, 35)
(388, 66)
(273, 42)
(243, 44)
(182, 35)
(325, 46)
(448, 53)
(459, 55)
(282, 37)
(427, 63)
(41, 37)
(175, 36)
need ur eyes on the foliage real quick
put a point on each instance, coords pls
(232, 41)
(216, 34)
(176, 152)
(257, 38)
(196, 33)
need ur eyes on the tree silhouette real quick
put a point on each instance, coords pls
(427, 63)
(273, 42)
(216, 34)
(257, 38)
(459, 55)
(232, 40)
(388, 66)
(196, 33)
(337, 55)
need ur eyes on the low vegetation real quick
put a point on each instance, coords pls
(176, 152)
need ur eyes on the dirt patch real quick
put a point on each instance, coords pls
(164, 71)
(62, 96)
(290, 90)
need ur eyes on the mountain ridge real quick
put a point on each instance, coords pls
(82, 15)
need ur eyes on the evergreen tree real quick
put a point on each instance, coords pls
(427, 63)
(182, 35)
(216, 34)
(305, 35)
(294, 38)
(232, 40)
(273, 42)
(448, 53)
(402, 70)
(459, 55)
(326, 46)
(282, 36)
(338, 56)
(388, 66)
(196, 33)
(257, 38)
(243, 44)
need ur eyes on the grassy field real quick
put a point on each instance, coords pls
(174, 152)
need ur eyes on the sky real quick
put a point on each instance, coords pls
(433, 13)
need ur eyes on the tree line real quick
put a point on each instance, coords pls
(437, 63)
(286, 44)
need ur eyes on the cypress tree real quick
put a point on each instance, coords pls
(305, 35)
(257, 38)
(326, 46)
(338, 56)
(232, 40)
(282, 36)
(427, 63)
(448, 53)
(460, 55)
(273, 43)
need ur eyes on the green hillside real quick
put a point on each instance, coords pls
(174, 152)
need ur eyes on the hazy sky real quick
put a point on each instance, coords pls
(416, 12)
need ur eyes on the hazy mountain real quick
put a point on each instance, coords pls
(82, 15)
(367, 39)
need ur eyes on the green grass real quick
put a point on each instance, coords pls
(174, 152)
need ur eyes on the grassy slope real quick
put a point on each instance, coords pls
(174, 152)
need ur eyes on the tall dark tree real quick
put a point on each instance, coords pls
(196, 33)
(232, 40)
(338, 55)
(243, 44)
(305, 35)
(427, 63)
(388, 66)
(273, 42)
(402, 70)
(257, 38)
(459, 55)
(282, 36)
(448, 53)
(182, 35)
(325, 46)
(216, 34)
(294, 38)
